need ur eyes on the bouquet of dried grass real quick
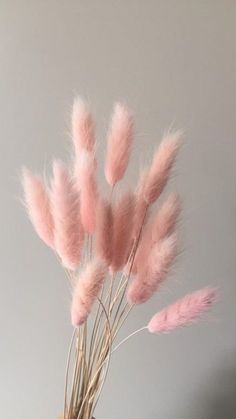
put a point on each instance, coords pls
(116, 252)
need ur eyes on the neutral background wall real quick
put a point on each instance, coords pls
(173, 62)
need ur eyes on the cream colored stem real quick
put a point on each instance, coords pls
(116, 347)
(67, 371)
(128, 337)
(106, 359)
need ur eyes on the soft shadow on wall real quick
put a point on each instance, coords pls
(217, 397)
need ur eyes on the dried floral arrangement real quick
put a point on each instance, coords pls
(116, 252)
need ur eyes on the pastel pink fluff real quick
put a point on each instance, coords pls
(86, 291)
(104, 230)
(141, 217)
(83, 159)
(83, 127)
(65, 207)
(120, 138)
(159, 171)
(141, 207)
(164, 223)
(183, 312)
(38, 206)
(159, 227)
(122, 229)
(88, 192)
(154, 271)
(143, 249)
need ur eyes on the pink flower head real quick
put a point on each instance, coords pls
(154, 271)
(120, 138)
(183, 312)
(122, 230)
(85, 181)
(104, 230)
(141, 206)
(159, 171)
(65, 206)
(83, 130)
(86, 291)
(165, 221)
(38, 206)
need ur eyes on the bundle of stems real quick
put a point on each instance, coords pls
(93, 350)
(116, 252)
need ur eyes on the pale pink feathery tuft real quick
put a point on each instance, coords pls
(154, 271)
(83, 127)
(38, 206)
(122, 228)
(83, 159)
(86, 291)
(65, 206)
(141, 217)
(162, 163)
(158, 228)
(104, 230)
(87, 185)
(144, 247)
(141, 206)
(183, 311)
(120, 138)
(166, 219)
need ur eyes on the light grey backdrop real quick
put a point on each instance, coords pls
(173, 62)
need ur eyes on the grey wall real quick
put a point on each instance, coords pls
(174, 63)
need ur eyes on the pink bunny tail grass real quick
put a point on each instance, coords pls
(162, 163)
(104, 230)
(158, 228)
(143, 249)
(83, 129)
(123, 226)
(141, 206)
(166, 219)
(86, 291)
(65, 206)
(38, 206)
(154, 272)
(183, 312)
(88, 192)
(83, 160)
(120, 138)
(141, 215)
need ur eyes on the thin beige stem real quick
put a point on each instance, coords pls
(67, 371)
(133, 254)
(128, 337)
(98, 370)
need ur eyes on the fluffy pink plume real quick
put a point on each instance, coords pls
(120, 138)
(86, 178)
(86, 291)
(104, 230)
(83, 159)
(160, 169)
(122, 230)
(141, 206)
(158, 228)
(144, 248)
(83, 129)
(140, 217)
(183, 312)
(155, 269)
(65, 206)
(164, 223)
(38, 206)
